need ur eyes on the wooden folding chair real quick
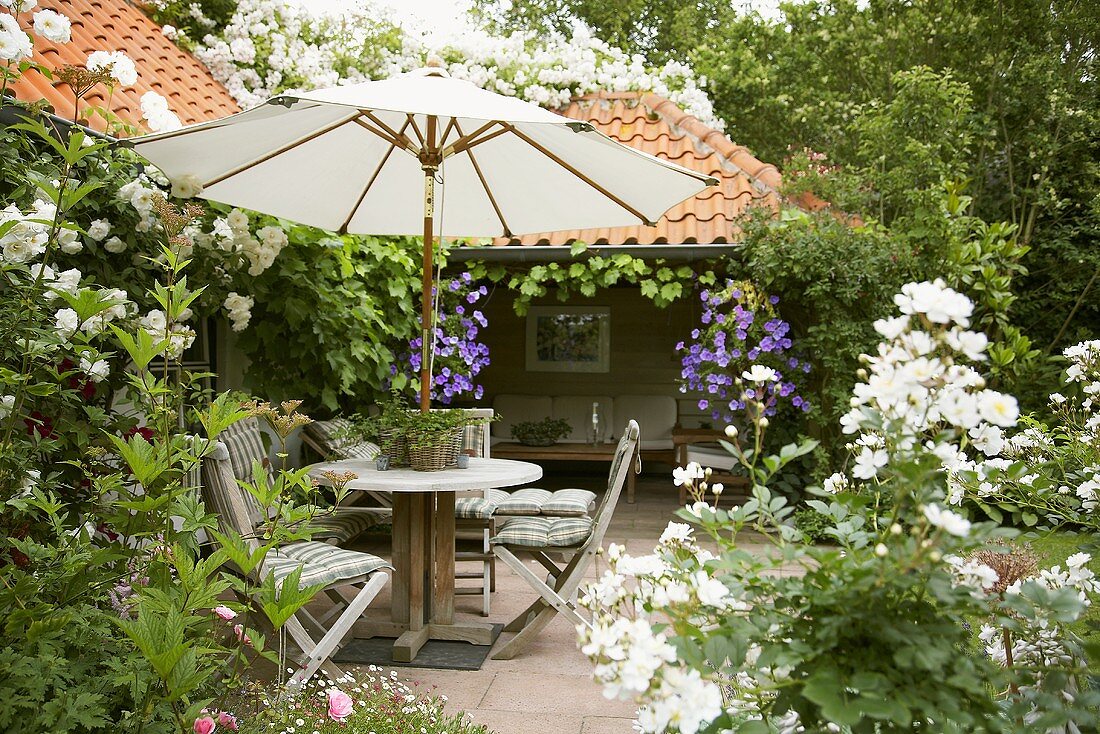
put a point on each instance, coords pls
(579, 538)
(350, 579)
(244, 442)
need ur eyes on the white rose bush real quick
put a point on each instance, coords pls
(107, 598)
(875, 631)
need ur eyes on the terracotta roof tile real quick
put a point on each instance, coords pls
(117, 25)
(655, 125)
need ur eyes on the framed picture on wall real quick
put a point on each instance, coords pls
(569, 339)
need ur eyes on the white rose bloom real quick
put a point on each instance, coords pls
(97, 370)
(988, 439)
(52, 26)
(69, 241)
(868, 462)
(66, 322)
(760, 374)
(120, 66)
(23, 6)
(187, 186)
(115, 245)
(238, 220)
(15, 45)
(998, 408)
(98, 229)
(683, 476)
(155, 111)
(947, 520)
(155, 322)
(835, 483)
(7, 404)
(18, 250)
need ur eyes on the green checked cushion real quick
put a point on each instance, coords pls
(321, 563)
(473, 439)
(325, 434)
(544, 532)
(479, 508)
(527, 501)
(344, 524)
(569, 503)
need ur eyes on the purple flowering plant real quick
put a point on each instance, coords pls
(740, 327)
(459, 355)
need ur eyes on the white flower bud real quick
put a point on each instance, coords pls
(895, 529)
(731, 431)
(881, 550)
(763, 422)
(935, 556)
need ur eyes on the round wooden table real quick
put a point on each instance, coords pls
(423, 596)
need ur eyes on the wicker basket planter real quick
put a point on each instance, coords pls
(440, 455)
(396, 446)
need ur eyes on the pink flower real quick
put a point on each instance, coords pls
(225, 612)
(339, 705)
(228, 720)
(238, 630)
(204, 725)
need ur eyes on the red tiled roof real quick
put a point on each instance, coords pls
(116, 25)
(657, 126)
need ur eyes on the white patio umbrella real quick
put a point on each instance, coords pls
(367, 159)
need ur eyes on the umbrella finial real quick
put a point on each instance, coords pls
(435, 66)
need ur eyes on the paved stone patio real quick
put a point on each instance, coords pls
(549, 687)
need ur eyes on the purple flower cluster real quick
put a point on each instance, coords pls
(740, 328)
(459, 356)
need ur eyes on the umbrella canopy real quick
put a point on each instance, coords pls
(367, 158)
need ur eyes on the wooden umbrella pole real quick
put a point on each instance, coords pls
(429, 160)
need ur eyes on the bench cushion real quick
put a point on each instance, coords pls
(656, 417)
(321, 563)
(514, 409)
(577, 410)
(526, 501)
(544, 532)
(711, 455)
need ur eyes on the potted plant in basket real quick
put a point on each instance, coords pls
(434, 438)
(545, 432)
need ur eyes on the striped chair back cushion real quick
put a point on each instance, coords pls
(245, 444)
(222, 495)
(329, 438)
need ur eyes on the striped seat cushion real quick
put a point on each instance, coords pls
(344, 524)
(569, 503)
(526, 501)
(479, 508)
(534, 501)
(543, 532)
(321, 563)
(330, 435)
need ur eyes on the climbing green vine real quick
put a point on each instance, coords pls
(658, 280)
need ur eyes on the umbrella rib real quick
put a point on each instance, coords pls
(402, 139)
(453, 124)
(484, 184)
(398, 140)
(359, 202)
(416, 130)
(540, 148)
(469, 141)
(279, 151)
